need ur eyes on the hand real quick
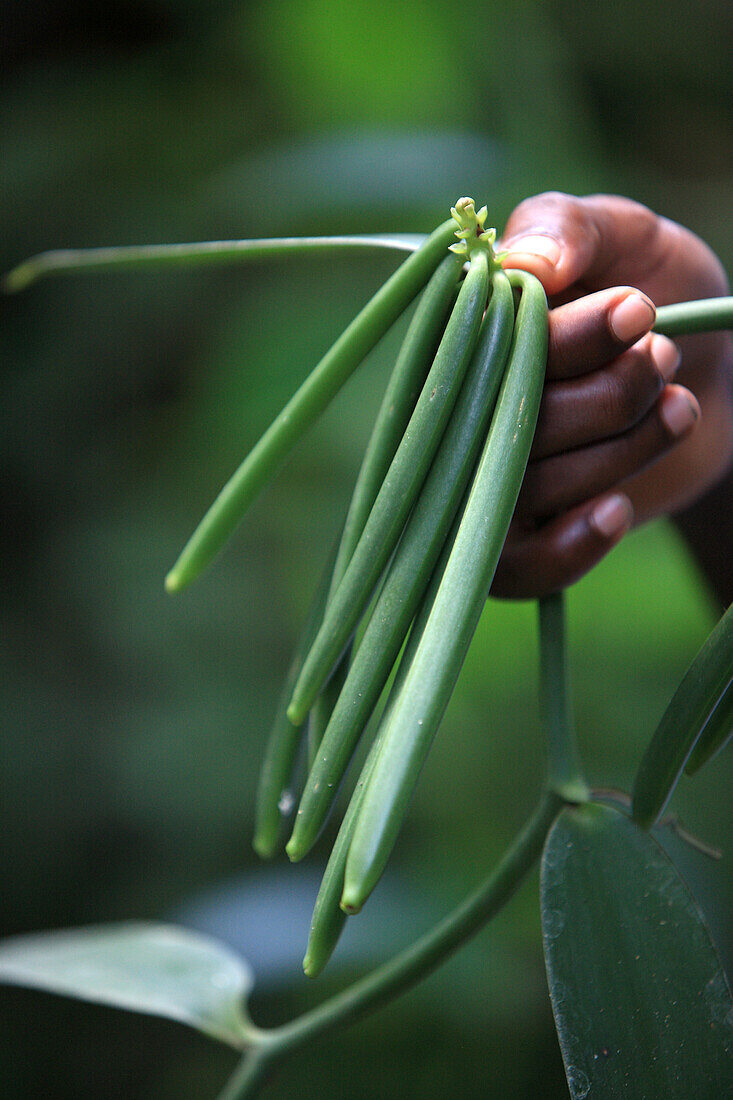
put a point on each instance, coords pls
(617, 441)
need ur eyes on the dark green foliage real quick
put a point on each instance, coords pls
(641, 1002)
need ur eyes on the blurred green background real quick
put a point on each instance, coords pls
(135, 722)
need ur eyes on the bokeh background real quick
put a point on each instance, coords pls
(135, 722)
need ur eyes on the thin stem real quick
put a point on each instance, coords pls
(249, 1075)
(418, 960)
(706, 315)
(70, 261)
(564, 772)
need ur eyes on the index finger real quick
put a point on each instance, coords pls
(589, 332)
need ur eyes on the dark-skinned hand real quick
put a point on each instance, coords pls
(632, 425)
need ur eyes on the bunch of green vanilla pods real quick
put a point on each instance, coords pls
(423, 533)
(405, 586)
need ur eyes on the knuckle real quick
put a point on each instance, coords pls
(539, 209)
(555, 198)
(647, 221)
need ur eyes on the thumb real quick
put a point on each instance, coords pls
(599, 239)
(552, 236)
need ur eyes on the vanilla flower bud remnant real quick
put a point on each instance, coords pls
(472, 236)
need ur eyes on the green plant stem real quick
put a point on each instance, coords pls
(249, 1075)
(683, 318)
(87, 261)
(414, 963)
(705, 315)
(564, 773)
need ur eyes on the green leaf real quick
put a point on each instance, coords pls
(716, 734)
(642, 1006)
(695, 700)
(157, 969)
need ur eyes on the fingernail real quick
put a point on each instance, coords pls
(666, 356)
(679, 410)
(631, 318)
(613, 516)
(536, 245)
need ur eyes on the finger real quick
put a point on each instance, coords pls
(600, 240)
(606, 402)
(553, 484)
(563, 239)
(539, 562)
(668, 261)
(588, 332)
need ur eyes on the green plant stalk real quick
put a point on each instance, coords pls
(460, 600)
(411, 965)
(411, 568)
(400, 488)
(251, 1073)
(306, 405)
(717, 731)
(564, 772)
(147, 257)
(284, 739)
(683, 722)
(685, 318)
(679, 319)
(403, 389)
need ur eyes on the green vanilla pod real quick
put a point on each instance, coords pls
(306, 405)
(411, 567)
(329, 918)
(400, 488)
(403, 389)
(273, 789)
(416, 714)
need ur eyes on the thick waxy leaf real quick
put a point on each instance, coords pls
(716, 734)
(683, 722)
(157, 969)
(642, 1007)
